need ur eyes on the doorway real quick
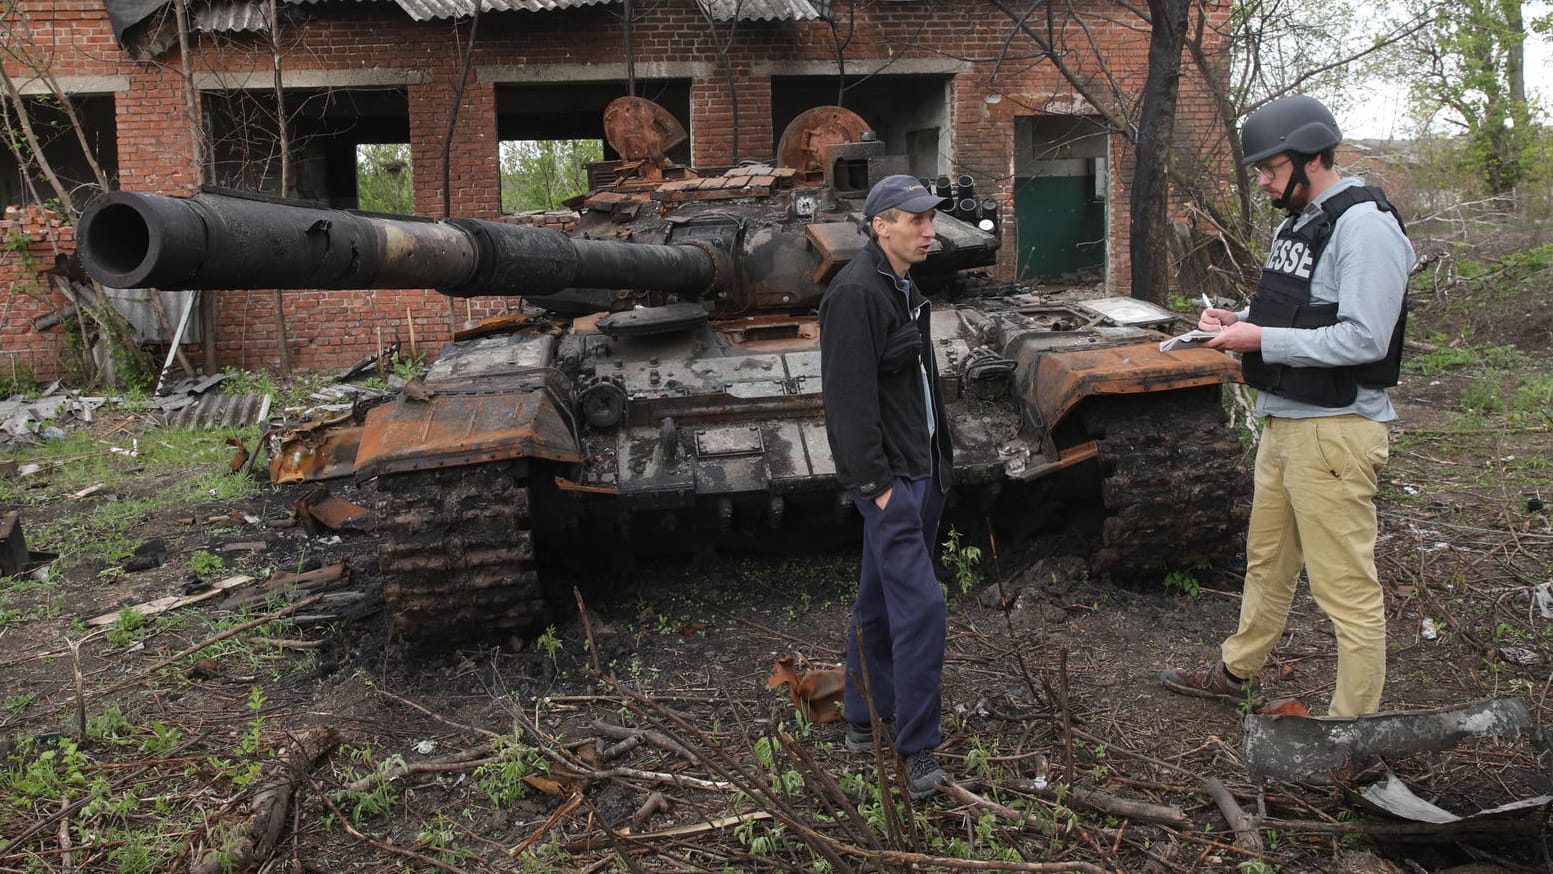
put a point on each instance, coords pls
(1060, 182)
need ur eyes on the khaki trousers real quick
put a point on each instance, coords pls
(1314, 506)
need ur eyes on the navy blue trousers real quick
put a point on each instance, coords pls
(899, 616)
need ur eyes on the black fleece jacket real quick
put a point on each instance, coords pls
(873, 354)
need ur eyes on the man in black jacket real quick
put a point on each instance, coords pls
(890, 440)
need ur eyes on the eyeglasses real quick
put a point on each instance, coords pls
(1270, 168)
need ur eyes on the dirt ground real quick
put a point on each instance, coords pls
(1070, 754)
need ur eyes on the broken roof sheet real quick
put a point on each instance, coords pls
(124, 14)
(761, 10)
(229, 16)
(235, 16)
(427, 10)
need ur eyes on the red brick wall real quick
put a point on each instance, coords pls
(31, 237)
(473, 176)
(712, 121)
(156, 147)
(996, 80)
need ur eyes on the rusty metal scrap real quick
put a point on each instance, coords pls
(1392, 796)
(15, 558)
(815, 692)
(1282, 747)
(320, 511)
(312, 451)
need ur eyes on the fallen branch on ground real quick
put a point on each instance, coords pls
(268, 807)
(656, 738)
(1143, 811)
(396, 768)
(1246, 827)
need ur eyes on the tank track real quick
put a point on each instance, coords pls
(459, 558)
(1173, 484)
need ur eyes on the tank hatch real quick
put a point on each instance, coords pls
(653, 320)
(806, 138)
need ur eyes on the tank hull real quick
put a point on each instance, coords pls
(714, 435)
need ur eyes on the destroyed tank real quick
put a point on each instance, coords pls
(660, 389)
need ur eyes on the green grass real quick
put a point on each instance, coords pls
(1506, 389)
(170, 470)
(1441, 359)
(249, 653)
(1483, 396)
(1451, 354)
(1184, 582)
(206, 563)
(1534, 396)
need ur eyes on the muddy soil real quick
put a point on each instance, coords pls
(644, 721)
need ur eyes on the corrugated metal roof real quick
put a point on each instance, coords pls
(426, 10)
(760, 10)
(238, 15)
(216, 410)
(228, 16)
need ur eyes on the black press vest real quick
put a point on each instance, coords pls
(1282, 300)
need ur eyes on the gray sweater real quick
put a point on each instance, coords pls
(1363, 270)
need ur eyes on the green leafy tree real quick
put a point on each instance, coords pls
(383, 178)
(1467, 69)
(540, 174)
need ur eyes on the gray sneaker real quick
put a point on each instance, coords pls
(923, 774)
(860, 738)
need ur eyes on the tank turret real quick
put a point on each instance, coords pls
(752, 239)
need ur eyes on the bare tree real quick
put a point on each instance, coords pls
(1148, 123)
(722, 25)
(283, 131)
(1156, 135)
(1265, 49)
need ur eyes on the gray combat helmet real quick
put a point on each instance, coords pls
(1289, 124)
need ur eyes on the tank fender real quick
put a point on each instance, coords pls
(454, 427)
(1051, 382)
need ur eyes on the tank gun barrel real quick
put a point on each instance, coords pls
(214, 240)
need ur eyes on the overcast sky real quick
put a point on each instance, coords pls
(1382, 114)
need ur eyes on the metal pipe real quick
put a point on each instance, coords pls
(965, 188)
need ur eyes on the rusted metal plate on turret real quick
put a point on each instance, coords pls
(465, 424)
(639, 129)
(782, 173)
(837, 243)
(718, 193)
(805, 137)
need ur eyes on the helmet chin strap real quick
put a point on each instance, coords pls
(1297, 178)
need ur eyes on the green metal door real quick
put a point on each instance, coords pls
(1061, 223)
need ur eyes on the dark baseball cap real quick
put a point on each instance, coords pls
(900, 192)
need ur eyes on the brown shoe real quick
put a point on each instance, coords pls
(1209, 680)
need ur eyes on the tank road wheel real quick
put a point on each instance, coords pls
(1172, 483)
(459, 558)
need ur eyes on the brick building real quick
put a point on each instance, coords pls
(960, 87)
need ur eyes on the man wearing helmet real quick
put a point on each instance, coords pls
(1321, 341)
